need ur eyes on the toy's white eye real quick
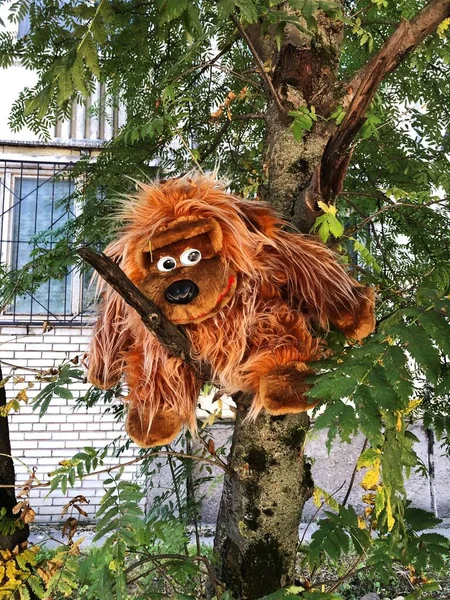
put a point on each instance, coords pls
(166, 263)
(190, 257)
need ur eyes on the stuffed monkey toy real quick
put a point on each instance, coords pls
(246, 291)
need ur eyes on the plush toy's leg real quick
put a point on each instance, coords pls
(164, 428)
(283, 390)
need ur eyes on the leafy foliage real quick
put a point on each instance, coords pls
(191, 93)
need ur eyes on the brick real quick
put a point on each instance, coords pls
(52, 427)
(39, 435)
(77, 444)
(55, 356)
(38, 453)
(15, 346)
(7, 354)
(49, 444)
(13, 330)
(66, 427)
(28, 444)
(79, 339)
(61, 339)
(52, 511)
(64, 436)
(92, 435)
(30, 354)
(41, 426)
(42, 363)
(67, 347)
(52, 410)
(39, 346)
(80, 417)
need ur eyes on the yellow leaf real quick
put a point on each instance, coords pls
(399, 420)
(442, 28)
(22, 395)
(372, 477)
(361, 523)
(390, 516)
(369, 499)
(2, 572)
(413, 404)
(317, 495)
(112, 566)
(329, 209)
(11, 570)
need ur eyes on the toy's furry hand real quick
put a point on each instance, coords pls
(361, 324)
(164, 427)
(283, 390)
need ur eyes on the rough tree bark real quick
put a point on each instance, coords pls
(7, 477)
(262, 501)
(268, 483)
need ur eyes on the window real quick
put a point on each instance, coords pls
(37, 209)
(35, 200)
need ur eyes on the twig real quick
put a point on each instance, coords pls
(352, 478)
(37, 371)
(259, 64)
(318, 511)
(170, 336)
(216, 141)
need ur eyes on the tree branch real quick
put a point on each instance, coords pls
(363, 86)
(259, 64)
(170, 336)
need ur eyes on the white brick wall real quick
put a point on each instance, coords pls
(62, 432)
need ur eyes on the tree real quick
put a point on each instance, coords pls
(13, 531)
(336, 114)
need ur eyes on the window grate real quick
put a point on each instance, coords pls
(36, 201)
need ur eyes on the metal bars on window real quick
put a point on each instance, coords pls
(36, 202)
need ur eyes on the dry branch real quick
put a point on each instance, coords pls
(363, 86)
(170, 336)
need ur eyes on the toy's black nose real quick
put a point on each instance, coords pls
(181, 292)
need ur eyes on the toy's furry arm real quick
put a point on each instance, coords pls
(310, 275)
(163, 393)
(109, 339)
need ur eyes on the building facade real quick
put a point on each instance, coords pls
(42, 330)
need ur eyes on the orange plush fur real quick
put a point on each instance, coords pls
(261, 289)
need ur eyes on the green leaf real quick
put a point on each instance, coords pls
(65, 86)
(88, 50)
(438, 328)
(369, 415)
(36, 586)
(418, 344)
(419, 519)
(63, 392)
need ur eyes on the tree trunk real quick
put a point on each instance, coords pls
(262, 502)
(7, 477)
(269, 482)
